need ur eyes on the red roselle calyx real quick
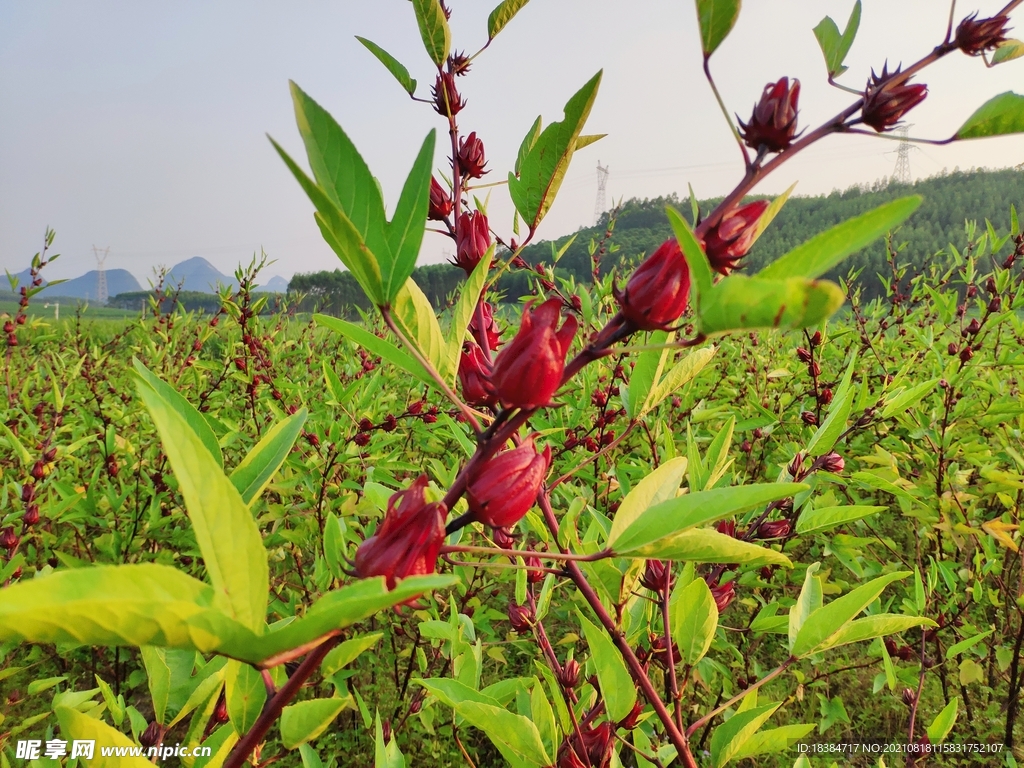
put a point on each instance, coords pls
(472, 238)
(729, 240)
(520, 617)
(490, 327)
(658, 291)
(535, 575)
(446, 96)
(773, 123)
(654, 576)
(774, 529)
(440, 202)
(724, 594)
(569, 676)
(975, 36)
(832, 462)
(475, 376)
(885, 102)
(587, 747)
(407, 543)
(528, 371)
(471, 157)
(505, 488)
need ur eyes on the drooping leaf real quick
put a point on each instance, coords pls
(502, 15)
(999, 116)
(245, 693)
(543, 168)
(835, 46)
(260, 465)
(943, 722)
(616, 684)
(225, 531)
(694, 617)
(1008, 50)
(400, 73)
(716, 19)
(740, 302)
(378, 346)
(828, 249)
(437, 37)
(308, 719)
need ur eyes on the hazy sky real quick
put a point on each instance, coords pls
(141, 126)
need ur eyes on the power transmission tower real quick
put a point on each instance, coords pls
(901, 174)
(101, 275)
(602, 181)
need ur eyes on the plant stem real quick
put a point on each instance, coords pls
(770, 676)
(604, 553)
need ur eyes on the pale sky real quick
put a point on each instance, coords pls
(141, 126)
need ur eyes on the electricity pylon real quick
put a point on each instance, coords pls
(101, 275)
(602, 181)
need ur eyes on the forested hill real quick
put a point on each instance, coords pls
(641, 225)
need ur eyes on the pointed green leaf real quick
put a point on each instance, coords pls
(740, 302)
(700, 269)
(825, 437)
(659, 486)
(400, 73)
(347, 652)
(943, 722)
(999, 116)
(543, 168)
(683, 372)
(694, 619)
(646, 371)
(807, 602)
(835, 46)
(716, 18)
(771, 212)
(76, 725)
(514, 732)
(502, 15)
(405, 231)
(900, 401)
(828, 249)
(462, 314)
(245, 693)
(870, 627)
(188, 411)
(306, 720)
(827, 621)
(227, 535)
(169, 673)
(730, 737)
(708, 546)
(963, 645)
(378, 346)
(260, 465)
(822, 519)
(388, 756)
(437, 38)
(414, 315)
(773, 740)
(1008, 50)
(693, 509)
(616, 684)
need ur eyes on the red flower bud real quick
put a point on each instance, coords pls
(490, 327)
(473, 238)
(825, 396)
(362, 439)
(726, 527)
(658, 292)
(520, 617)
(629, 721)
(28, 492)
(832, 462)
(471, 156)
(808, 418)
(440, 202)
(973, 327)
(503, 539)
(909, 696)
(569, 677)
(39, 470)
(773, 123)
(528, 371)
(659, 651)
(975, 36)
(885, 102)
(446, 96)
(505, 488)
(475, 376)
(654, 576)
(816, 339)
(966, 354)
(587, 747)
(803, 355)
(774, 529)
(724, 594)
(9, 539)
(535, 575)
(151, 735)
(409, 539)
(31, 516)
(729, 240)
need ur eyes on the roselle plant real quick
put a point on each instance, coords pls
(643, 580)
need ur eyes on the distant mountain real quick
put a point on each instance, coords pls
(84, 287)
(197, 274)
(276, 284)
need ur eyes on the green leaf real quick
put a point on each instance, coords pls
(646, 371)
(513, 732)
(771, 212)
(400, 73)
(385, 756)
(963, 645)
(773, 740)
(220, 742)
(694, 619)
(451, 692)
(812, 520)
(347, 652)
(708, 546)
(999, 116)
(700, 269)
(16, 445)
(306, 720)
(543, 168)
(835, 46)
(502, 15)
(184, 408)
(77, 726)
(462, 314)
(716, 18)
(616, 684)
(825, 437)
(586, 141)
(807, 602)
(828, 620)
(943, 722)
(169, 673)
(971, 672)
(416, 318)
(115, 707)
(227, 535)
(206, 689)
(255, 471)
(870, 627)
(1008, 50)
(378, 346)
(730, 737)
(740, 302)
(406, 228)
(693, 509)
(437, 38)
(245, 693)
(900, 401)
(828, 249)
(659, 486)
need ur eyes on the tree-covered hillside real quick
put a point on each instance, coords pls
(641, 225)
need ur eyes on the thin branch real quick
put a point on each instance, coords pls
(725, 111)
